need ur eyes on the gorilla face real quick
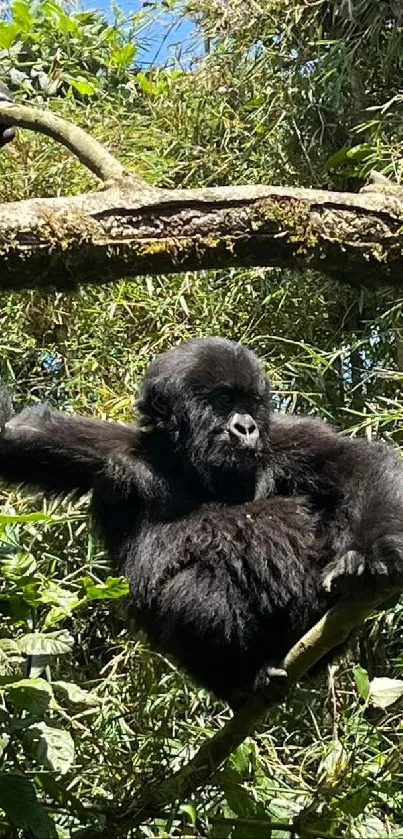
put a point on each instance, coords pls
(211, 399)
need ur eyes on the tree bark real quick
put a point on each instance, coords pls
(129, 228)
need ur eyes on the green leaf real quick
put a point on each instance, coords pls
(84, 86)
(190, 811)
(21, 565)
(8, 33)
(60, 613)
(54, 593)
(240, 759)
(123, 56)
(50, 643)
(38, 664)
(384, 692)
(22, 808)
(21, 14)
(31, 695)
(25, 517)
(112, 588)
(362, 681)
(74, 694)
(10, 655)
(4, 741)
(50, 746)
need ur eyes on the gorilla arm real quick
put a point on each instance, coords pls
(357, 487)
(57, 453)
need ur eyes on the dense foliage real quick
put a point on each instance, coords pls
(297, 93)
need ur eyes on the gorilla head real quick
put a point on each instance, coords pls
(210, 399)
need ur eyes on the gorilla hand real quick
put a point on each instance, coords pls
(7, 132)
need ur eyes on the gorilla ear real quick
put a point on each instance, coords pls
(158, 403)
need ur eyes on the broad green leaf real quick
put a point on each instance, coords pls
(51, 747)
(123, 56)
(19, 566)
(60, 613)
(190, 811)
(83, 86)
(9, 647)
(8, 33)
(50, 643)
(384, 692)
(38, 664)
(241, 757)
(22, 808)
(31, 695)
(54, 593)
(21, 14)
(112, 588)
(74, 694)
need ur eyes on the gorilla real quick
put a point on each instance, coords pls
(235, 526)
(7, 132)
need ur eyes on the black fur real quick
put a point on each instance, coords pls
(7, 132)
(234, 543)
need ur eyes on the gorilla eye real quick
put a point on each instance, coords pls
(224, 398)
(158, 404)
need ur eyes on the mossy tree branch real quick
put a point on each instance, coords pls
(333, 629)
(129, 228)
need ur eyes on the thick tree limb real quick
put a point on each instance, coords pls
(130, 228)
(328, 633)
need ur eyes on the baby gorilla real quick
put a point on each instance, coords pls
(235, 527)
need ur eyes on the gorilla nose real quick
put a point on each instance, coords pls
(244, 428)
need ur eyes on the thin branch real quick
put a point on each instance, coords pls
(333, 629)
(88, 150)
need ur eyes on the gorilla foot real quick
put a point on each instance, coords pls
(271, 684)
(382, 568)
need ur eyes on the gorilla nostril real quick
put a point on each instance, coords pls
(243, 427)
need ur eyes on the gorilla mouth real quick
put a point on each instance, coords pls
(237, 444)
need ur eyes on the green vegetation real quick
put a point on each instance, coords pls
(290, 93)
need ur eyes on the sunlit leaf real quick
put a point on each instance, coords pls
(50, 643)
(74, 694)
(384, 691)
(33, 695)
(52, 747)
